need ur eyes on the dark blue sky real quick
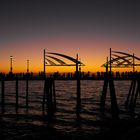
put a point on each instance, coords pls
(36, 19)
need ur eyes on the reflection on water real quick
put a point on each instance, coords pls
(66, 101)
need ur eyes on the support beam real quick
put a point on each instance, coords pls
(44, 64)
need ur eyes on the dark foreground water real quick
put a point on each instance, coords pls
(65, 117)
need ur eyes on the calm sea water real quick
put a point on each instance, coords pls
(66, 101)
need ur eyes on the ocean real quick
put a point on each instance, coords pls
(65, 116)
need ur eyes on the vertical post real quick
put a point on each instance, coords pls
(129, 93)
(54, 95)
(44, 97)
(107, 65)
(114, 105)
(137, 92)
(11, 64)
(3, 94)
(76, 65)
(44, 64)
(49, 98)
(27, 87)
(80, 69)
(78, 106)
(133, 93)
(110, 62)
(44, 72)
(27, 66)
(104, 92)
(133, 63)
(16, 93)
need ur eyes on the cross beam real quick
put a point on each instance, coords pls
(122, 60)
(58, 59)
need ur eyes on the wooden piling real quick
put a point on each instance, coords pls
(133, 93)
(136, 95)
(44, 63)
(17, 94)
(78, 103)
(2, 95)
(78, 106)
(54, 95)
(27, 94)
(129, 94)
(104, 92)
(49, 97)
(44, 97)
(103, 96)
(114, 105)
(109, 80)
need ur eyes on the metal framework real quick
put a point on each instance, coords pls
(56, 59)
(122, 60)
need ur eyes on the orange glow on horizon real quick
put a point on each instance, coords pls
(92, 52)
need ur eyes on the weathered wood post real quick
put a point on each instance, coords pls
(50, 108)
(130, 96)
(137, 92)
(114, 105)
(104, 92)
(134, 90)
(27, 91)
(44, 97)
(17, 93)
(45, 83)
(44, 63)
(3, 93)
(109, 80)
(133, 93)
(78, 105)
(54, 95)
(133, 62)
(129, 93)
(49, 97)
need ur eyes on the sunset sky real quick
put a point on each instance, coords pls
(86, 27)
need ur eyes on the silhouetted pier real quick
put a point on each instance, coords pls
(109, 81)
(133, 93)
(49, 97)
(127, 60)
(49, 102)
